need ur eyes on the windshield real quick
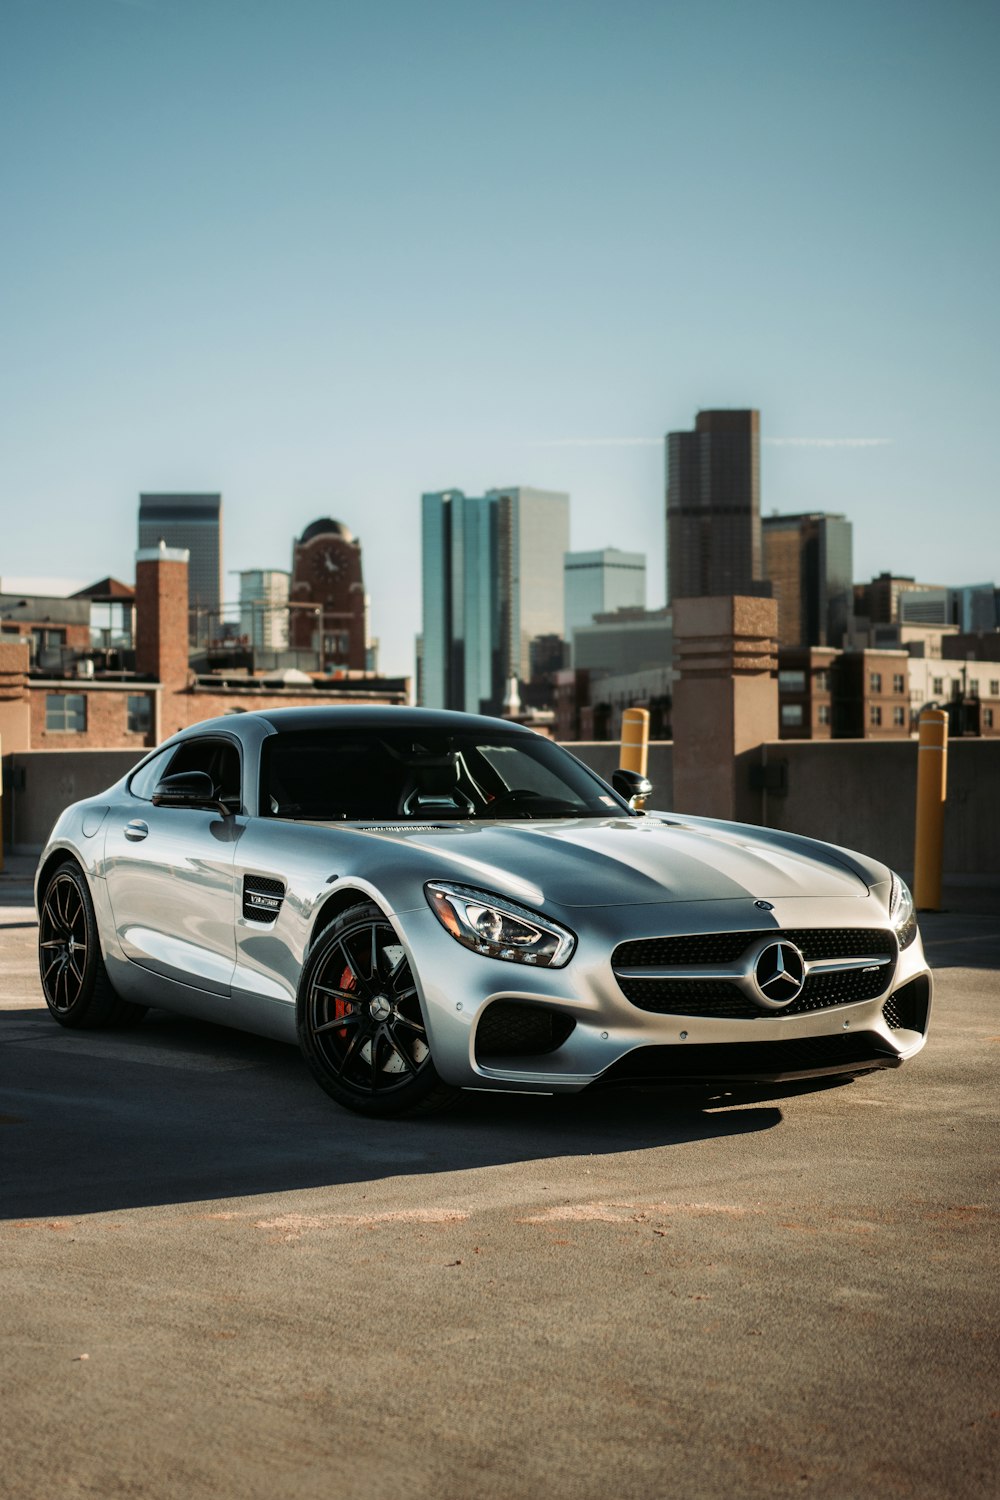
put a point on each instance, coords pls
(363, 775)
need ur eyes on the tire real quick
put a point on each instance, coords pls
(377, 1061)
(75, 982)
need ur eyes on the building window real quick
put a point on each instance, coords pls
(875, 715)
(791, 682)
(898, 682)
(937, 686)
(823, 713)
(66, 713)
(140, 718)
(899, 717)
(876, 682)
(995, 687)
(822, 681)
(988, 718)
(791, 715)
(974, 687)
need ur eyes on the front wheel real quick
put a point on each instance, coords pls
(359, 1021)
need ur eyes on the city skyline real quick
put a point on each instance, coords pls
(290, 257)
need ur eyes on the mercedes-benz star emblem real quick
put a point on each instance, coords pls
(779, 974)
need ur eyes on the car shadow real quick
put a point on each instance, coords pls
(179, 1111)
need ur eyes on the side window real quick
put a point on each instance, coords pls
(143, 782)
(221, 759)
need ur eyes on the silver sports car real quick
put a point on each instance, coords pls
(429, 902)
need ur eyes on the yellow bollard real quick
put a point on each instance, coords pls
(932, 783)
(635, 740)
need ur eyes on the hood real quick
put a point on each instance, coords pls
(627, 861)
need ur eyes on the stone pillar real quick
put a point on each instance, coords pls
(725, 702)
(161, 620)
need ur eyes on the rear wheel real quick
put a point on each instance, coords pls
(359, 1020)
(75, 982)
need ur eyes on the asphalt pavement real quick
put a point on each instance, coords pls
(215, 1283)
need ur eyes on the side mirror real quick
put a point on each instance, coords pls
(188, 789)
(632, 786)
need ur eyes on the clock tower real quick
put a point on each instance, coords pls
(328, 595)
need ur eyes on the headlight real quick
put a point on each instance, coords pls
(902, 912)
(498, 928)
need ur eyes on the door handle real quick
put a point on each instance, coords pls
(136, 830)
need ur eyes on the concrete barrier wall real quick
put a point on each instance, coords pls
(858, 793)
(862, 794)
(38, 784)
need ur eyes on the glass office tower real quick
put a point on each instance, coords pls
(460, 663)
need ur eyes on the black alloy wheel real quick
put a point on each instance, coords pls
(360, 1024)
(75, 982)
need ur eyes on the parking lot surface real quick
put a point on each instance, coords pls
(215, 1283)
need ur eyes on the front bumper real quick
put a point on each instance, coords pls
(598, 1036)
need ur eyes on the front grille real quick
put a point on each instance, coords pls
(751, 1061)
(509, 1029)
(723, 1000)
(725, 947)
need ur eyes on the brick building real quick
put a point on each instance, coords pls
(85, 707)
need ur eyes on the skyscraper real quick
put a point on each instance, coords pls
(809, 562)
(460, 654)
(264, 608)
(597, 583)
(492, 584)
(533, 538)
(193, 522)
(713, 506)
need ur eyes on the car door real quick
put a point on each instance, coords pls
(169, 870)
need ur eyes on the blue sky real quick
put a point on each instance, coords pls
(323, 255)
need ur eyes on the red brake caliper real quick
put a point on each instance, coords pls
(344, 1007)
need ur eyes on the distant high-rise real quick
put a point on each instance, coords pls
(808, 560)
(264, 608)
(713, 507)
(533, 538)
(599, 582)
(460, 664)
(492, 584)
(193, 522)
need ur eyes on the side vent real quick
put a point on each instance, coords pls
(262, 898)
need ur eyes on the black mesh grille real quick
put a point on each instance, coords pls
(907, 1009)
(752, 1060)
(264, 885)
(507, 1029)
(723, 1000)
(726, 947)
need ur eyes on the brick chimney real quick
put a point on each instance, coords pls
(161, 614)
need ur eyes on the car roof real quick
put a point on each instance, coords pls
(356, 716)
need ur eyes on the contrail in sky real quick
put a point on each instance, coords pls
(806, 442)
